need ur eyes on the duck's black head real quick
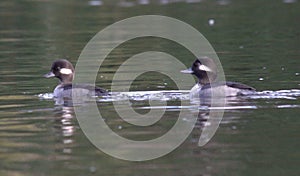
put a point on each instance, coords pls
(204, 69)
(63, 70)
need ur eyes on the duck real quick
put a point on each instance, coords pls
(64, 71)
(205, 70)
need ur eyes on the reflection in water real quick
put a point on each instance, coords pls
(57, 142)
(65, 125)
(208, 116)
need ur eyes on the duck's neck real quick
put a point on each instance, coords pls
(66, 80)
(203, 82)
(207, 78)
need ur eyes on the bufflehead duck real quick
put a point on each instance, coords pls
(64, 71)
(206, 71)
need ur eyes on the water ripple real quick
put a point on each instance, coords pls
(183, 95)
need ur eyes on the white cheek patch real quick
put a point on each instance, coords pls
(65, 71)
(205, 68)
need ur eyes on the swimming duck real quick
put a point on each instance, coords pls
(64, 71)
(206, 71)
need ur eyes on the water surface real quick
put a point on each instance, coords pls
(257, 43)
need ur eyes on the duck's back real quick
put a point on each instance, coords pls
(80, 90)
(226, 89)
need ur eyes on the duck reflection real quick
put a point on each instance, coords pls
(65, 127)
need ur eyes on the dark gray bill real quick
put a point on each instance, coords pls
(49, 75)
(187, 71)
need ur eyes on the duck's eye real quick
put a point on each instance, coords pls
(56, 68)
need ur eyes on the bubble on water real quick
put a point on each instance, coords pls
(211, 22)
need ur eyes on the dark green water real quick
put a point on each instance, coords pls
(256, 41)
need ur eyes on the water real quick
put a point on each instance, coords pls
(257, 43)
